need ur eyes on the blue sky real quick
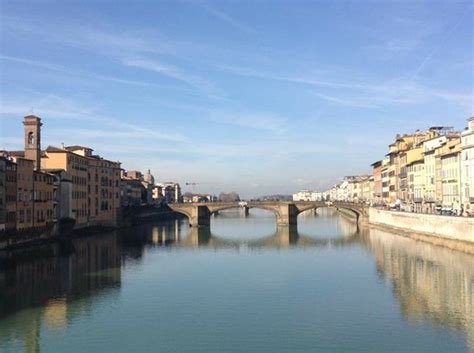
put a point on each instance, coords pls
(253, 96)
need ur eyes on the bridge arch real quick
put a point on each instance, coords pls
(286, 212)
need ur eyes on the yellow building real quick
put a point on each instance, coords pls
(397, 169)
(415, 179)
(24, 204)
(43, 199)
(433, 185)
(95, 184)
(450, 162)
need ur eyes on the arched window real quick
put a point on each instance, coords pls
(31, 138)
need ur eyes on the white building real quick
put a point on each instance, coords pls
(467, 167)
(307, 195)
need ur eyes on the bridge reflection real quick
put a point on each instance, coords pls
(177, 234)
(285, 236)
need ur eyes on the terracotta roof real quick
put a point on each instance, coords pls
(16, 153)
(77, 147)
(54, 149)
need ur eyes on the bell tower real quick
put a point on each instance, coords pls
(32, 125)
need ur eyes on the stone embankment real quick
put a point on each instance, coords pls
(439, 228)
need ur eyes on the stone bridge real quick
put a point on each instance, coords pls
(199, 214)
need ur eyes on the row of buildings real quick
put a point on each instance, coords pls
(425, 172)
(38, 188)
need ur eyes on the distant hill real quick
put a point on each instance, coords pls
(276, 197)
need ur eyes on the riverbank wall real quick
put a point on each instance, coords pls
(443, 227)
(128, 218)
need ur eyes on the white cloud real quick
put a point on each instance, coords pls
(219, 14)
(169, 71)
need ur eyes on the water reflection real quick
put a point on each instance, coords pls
(44, 289)
(41, 283)
(431, 283)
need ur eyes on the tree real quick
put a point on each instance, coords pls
(229, 197)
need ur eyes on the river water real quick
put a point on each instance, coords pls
(245, 285)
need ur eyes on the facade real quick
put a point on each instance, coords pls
(377, 182)
(433, 192)
(195, 198)
(43, 190)
(10, 195)
(131, 192)
(307, 195)
(171, 192)
(431, 172)
(467, 167)
(451, 174)
(137, 189)
(3, 206)
(157, 194)
(62, 194)
(24, 193)
(385, 180)
(95, 184)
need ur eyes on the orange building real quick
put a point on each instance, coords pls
(95, 184)
(24, 193)
(43, 199)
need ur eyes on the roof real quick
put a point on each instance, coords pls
(77, 147)
(54, 149)
(16, 153)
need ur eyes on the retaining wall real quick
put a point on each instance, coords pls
(458, 228)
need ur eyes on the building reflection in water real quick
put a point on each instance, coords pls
(47, 279)
(431, 283)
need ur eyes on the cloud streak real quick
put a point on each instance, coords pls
(224, 17)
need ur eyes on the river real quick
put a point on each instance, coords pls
(245, 285)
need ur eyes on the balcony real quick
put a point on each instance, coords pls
(430, 199)
(418, 199)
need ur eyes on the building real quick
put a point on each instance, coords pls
(131, 193)
(157, 194)
(385, 180)
(377, 182)
(32, 127)
(307, 195)
(467, 167)
(132, 175)
(149, 178)
(431, 149)
(171, 192)
(62, 194)
(367, 189)
(3, 202)
(450, 162)
(43, 204)
(10, 195)
(24, 195)
(397, 172)
(95, 183)
(195, 198)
